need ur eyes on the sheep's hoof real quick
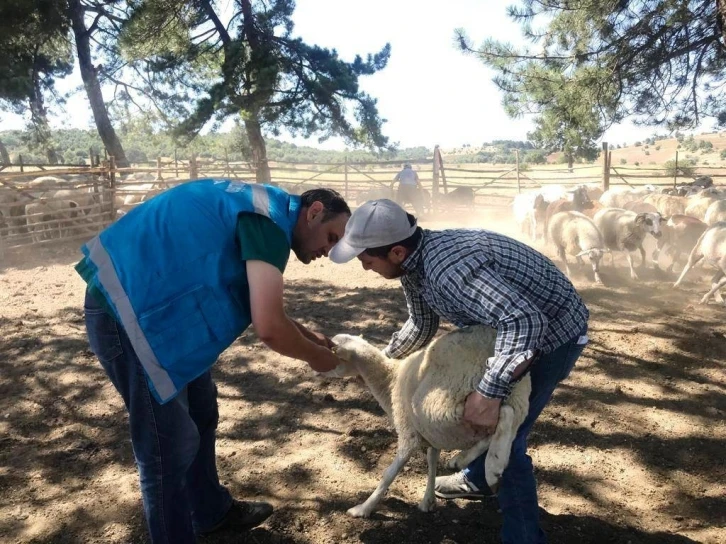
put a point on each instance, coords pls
(427, 504)
(359, 512)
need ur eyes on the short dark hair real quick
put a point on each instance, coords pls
(409, 243)
(333, 203)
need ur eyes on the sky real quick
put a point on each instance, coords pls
(430, 93)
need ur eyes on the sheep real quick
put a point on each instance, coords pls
(680, 234)
(44, 183)
(596, 207)
(576, 234)
(618, 196)
(698, 204)
(580, 201)
(593, 191)
(530, 210)
(45, 215)
(461, 196)
(712, 247)
(715, 213)
(667, 205)
(638, 206)
(624, 230)
(424, 396)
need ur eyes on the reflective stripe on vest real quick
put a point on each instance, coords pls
(163, 384)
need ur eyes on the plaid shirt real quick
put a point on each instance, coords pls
(479, 277)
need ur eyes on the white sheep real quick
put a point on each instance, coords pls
(576, 234)
(623, 230)
(699, 203)
(715, 213)
(617, 197)
(424, 395)
(711, 246)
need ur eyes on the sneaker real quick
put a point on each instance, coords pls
(458, 486)
(242, 516)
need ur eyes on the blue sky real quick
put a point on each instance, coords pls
(430, 93)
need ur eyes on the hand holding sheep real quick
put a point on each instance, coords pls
(482, 413)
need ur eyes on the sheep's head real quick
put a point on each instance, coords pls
(349, 349)
(594, 254)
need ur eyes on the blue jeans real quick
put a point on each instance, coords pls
(518, 489)
(173, 443)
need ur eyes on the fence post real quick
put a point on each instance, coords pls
(519, 186)
(112, 175)
(192, 167)
(90, 156)
(605, 167)
(675, 172)
(435, 185)
(20, 160)
(158, 169)
(345, 170)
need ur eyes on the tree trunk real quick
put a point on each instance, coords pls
(721, 18)
(39, 119)
(4, 154)
(76, 13)
(259, 149)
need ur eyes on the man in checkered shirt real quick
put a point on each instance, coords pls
(473, 277)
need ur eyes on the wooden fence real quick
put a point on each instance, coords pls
(110, 188)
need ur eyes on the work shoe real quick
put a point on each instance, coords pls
(458, 486)
(242, 516)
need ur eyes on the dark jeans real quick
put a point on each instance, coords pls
(173, 443)
(410, 194)
(518, 489)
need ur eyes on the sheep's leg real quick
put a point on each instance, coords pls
(660, 244)
(464, 457)
(693, 259)
(498, 455)
(629, 256)
(365, 509)
(428, 502)
(596, 271)
(718, 281)
(561, 253)
(642, 256)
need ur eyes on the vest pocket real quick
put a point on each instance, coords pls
(183, 325)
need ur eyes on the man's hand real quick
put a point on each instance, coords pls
(324, 360)
(322, 340)
(481, 412)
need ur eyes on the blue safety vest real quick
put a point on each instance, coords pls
(171, 271)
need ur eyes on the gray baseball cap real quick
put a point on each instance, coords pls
(376, 223)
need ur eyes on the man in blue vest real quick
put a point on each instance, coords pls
(170, 286)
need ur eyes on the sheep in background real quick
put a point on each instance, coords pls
(619, 196)
(711, 246)
(715, 213)
(680, 235)
(576, 234)
(638, 206)
(579, 201)
(667, 205)
(698, 205)
(530, 210)
(424, 395)
(623, 230)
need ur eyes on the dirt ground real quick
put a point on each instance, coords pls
(630, 450)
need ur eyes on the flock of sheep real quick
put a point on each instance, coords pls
(50, 207)
(586, 222)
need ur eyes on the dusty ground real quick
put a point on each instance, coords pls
(629, 451)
